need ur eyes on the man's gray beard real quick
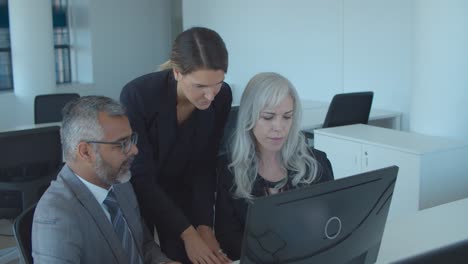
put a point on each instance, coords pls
(124, 177)
(108, 175)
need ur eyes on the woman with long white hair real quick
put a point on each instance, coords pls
(267, 154)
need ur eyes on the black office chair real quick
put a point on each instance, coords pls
(22, 229)
(48, 107)
(347, 109)
(30, 160)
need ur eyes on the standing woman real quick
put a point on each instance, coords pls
(179, 114)
(268, 155)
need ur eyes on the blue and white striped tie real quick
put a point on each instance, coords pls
(122, 229)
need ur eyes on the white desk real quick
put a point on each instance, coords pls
(424, 230)
(314, 112)
(25, 127)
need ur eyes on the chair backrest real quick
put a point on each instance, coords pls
(22, 229)
(348, 109)
(48, 107)
(31, 160)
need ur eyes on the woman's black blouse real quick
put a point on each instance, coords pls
(231, 212)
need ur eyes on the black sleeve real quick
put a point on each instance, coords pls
(325, 171)
(205, 184)
(155, 205)
(229, 225)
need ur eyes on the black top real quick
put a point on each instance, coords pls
(174, 172)
(231, 212)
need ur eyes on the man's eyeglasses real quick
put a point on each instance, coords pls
(125, 145)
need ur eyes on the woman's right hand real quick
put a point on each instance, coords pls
(197, 250)
(207, 234)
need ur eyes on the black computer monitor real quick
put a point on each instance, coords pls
(340, 221)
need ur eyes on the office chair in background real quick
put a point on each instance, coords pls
(22, 229)
(30, 160)
(347, 109)
(48, 107)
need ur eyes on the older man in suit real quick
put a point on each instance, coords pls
(90, 213)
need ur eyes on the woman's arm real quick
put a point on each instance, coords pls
(229, 224)
(204, 184)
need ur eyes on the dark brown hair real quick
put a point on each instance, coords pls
(198, 48)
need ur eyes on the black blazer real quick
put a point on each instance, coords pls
(151, 107)
(231, 212)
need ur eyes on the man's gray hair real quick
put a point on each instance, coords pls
(81, 121)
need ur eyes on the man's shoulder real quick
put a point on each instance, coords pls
(57, 200)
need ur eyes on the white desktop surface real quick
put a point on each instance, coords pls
(424, 230)
(31, 126)
(410, 142)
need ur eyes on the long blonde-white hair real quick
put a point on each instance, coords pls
(267, 90)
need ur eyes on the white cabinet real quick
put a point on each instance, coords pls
(344, 155)
(433, 170)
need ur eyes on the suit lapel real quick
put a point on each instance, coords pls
(95, 211)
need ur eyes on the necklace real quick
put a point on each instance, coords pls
(274, 185)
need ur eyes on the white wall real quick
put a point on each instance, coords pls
(32, 56)
(377, 51)
(301, 39)
(128, 39)
(30, 32)
(80, 36)
(412, 54)
(440, 100)
(323, 46)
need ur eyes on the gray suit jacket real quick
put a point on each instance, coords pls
(70, 226)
